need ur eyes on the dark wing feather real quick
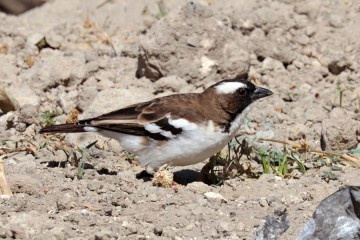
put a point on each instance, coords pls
(132, 119)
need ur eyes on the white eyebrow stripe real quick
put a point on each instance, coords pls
(229, 87)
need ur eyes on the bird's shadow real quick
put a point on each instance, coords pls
(183, 177)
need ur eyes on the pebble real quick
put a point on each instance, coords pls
(158, 231)
(263, 202)
(84, 212)
(92, 186)
(336, 21)
(214, 197)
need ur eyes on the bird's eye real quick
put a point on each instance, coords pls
(241, 92)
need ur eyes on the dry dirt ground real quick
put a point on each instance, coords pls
(108, 54)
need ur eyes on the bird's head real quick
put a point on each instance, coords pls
(234, 95)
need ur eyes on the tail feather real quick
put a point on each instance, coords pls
(64, 128)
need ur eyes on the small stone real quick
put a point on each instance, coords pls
(28, 114)
(214, 197)
(158, 231)
(336, 21)
(65, 201)
(271, 64)
(84, 212)
(338, 134)
(310, 31)
(198, 187)
(263, 202)
(92, 186)
(5, 197)
(33, 39)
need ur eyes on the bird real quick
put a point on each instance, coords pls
(175, 130)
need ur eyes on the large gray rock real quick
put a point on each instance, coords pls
(336, 217)
(192, 43)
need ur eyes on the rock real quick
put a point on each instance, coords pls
(337, 66)
(53, 68)
(297, 132)
(213, 197)
(213, 50)
(7, 102)
(7, 120)
(336, 21)
(20, 127)
(275, 224)
(28, 114)
(329, 222)
(338, 134)
(24, 94)
(114, 146)
(158, 231)
(309, 8)
(65, 201)
(198, 187)
(33, 39)
(270, 64)
(262, 201)
(84, 212)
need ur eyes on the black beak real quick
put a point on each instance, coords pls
(260, 93)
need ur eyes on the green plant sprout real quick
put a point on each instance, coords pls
(48, 117)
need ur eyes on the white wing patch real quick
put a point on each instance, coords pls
(182, 123)
(229, 87)
(153, 128)
(90, 129)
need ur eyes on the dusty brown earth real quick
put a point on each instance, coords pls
(108, 54)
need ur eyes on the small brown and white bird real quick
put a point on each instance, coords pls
(177, 130)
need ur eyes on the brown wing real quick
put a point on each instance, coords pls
(133, 119)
